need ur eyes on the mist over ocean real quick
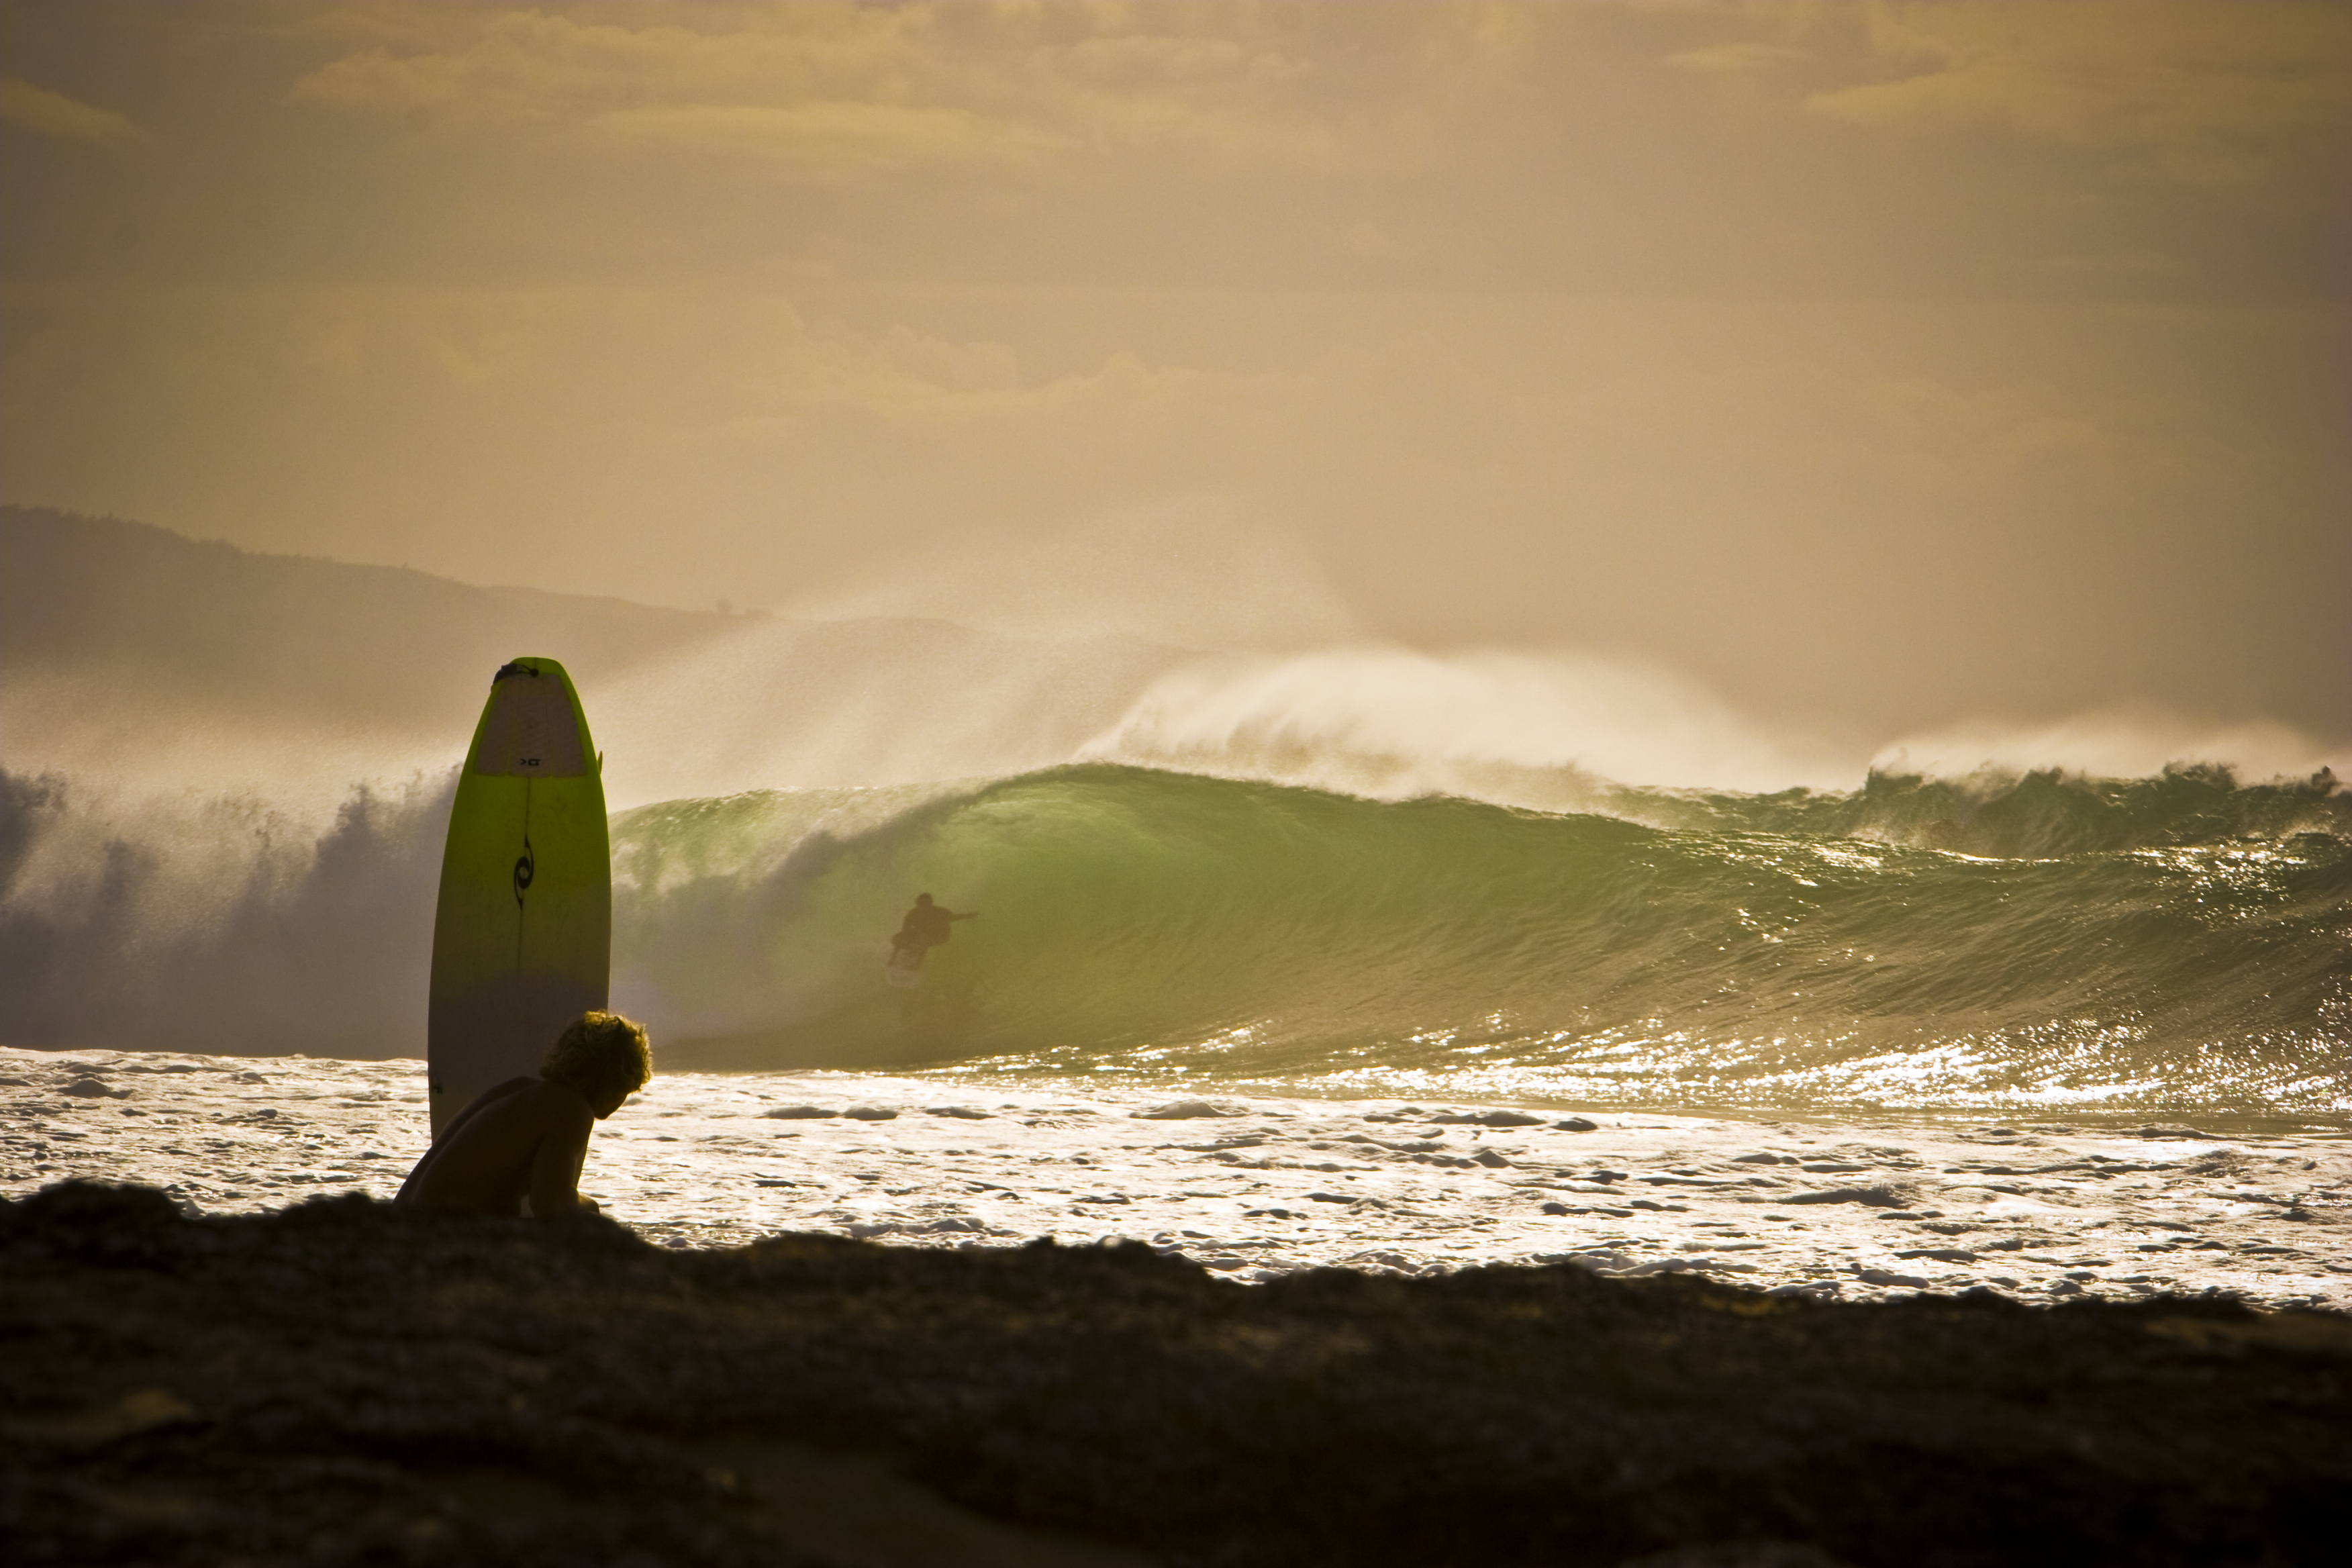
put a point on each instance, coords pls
(1182, 881)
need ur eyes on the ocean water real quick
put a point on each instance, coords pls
(1251, 1187)
(1347, 954)
(2175, 945)
(2041, 1034)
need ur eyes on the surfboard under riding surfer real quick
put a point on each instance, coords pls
(925, 928)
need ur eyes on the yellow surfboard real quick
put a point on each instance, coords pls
(523, 939)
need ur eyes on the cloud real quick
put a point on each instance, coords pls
(838, 93)
(47, 113)
(1775, 416)
(2140, 263)
(1735, 59)
(2197, 93)
(831, 140)
(782, 376)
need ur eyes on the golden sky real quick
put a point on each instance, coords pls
(1890, 364)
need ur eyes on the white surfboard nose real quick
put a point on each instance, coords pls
(529, 730)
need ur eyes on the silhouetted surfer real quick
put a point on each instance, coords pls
(526, 1138)
(926, 927)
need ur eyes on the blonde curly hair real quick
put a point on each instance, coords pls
(598, 1054)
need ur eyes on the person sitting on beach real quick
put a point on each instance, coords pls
(527, 1137)
(926, 927)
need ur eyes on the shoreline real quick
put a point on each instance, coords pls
(344, 1382)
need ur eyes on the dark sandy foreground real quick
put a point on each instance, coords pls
(344, 1383)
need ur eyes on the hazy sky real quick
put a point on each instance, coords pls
(1890, 364)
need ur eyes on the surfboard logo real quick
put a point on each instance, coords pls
(525, 867)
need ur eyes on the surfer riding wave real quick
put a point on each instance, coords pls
(925, 927)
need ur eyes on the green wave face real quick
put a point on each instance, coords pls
(2173, 944)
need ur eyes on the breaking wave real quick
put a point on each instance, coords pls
(2175, 942)
(2180, 943)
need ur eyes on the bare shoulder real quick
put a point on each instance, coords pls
(507, 1090)
(489, 1105)
(557, 1106)
(524, 1106)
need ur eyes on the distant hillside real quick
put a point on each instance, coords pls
(269, 633)
(123, 644)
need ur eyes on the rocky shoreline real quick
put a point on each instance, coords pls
(342, 1383)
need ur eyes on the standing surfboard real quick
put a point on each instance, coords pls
(523, 939)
